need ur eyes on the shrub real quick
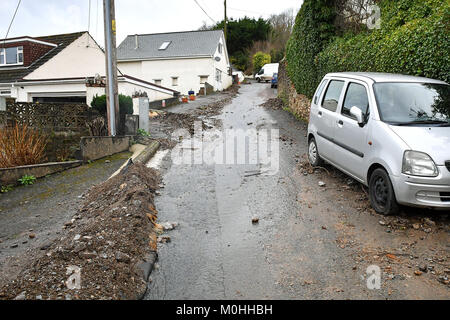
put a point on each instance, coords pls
(259, 60)
(27, 180)
(125, 104)
(21, 146)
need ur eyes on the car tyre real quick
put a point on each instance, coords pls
(259, 80)
(313, 153)
(381, 193)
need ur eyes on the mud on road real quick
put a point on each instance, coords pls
(309, 242)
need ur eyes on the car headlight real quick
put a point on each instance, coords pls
(418, 163)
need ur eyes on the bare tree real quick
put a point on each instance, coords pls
(352, 15)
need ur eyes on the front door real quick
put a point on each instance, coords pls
(350, 138)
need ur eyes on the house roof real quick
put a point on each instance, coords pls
(13, 74)
(182, 44)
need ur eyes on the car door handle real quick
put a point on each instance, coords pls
(320, 113)
(341, 123)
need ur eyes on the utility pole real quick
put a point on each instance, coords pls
(225, 20)
(112, 98)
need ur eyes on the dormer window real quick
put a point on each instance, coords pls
(11, 56)
(164, 45)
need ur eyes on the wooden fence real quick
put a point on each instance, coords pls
(56, 117)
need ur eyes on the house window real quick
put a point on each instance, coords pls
(220, 48)
(174, 81)
(158, 82)
(11, 56)
(203, 79)
(218, 75)
(164, 45)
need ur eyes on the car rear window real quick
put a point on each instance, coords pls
(331, 99)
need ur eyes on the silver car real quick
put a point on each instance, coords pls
(390, 132)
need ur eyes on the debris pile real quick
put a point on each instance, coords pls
(273, 103)
(102, 251)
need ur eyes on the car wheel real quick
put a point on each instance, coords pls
(381, 193)
(259, 80)
(313, 153)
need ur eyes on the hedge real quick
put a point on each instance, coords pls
(413, 39)
(125, 104)
(312, 30)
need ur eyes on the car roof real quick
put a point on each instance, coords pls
(382, 77)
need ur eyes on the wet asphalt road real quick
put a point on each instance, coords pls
(292, 253)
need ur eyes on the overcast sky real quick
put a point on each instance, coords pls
(47, 17)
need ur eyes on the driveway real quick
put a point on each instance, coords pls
(305, 241)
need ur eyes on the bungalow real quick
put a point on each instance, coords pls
(62, 68)
(182, 61)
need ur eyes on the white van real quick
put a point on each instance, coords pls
(266, 72)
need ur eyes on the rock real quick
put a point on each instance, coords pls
(418, 273)
(77, 237)
(381, 222)
(122, 186)
(39, 297)
(15, 245)
(32, 235)
(169, 225)
(79, 247)
(444, 280)
(324, 228)
(423, 268)
(122, 257)
(427, 230)
(68, 224)
(45, 246)
(24, 241)
(87, 254)
(163, 239)
(21, 296)
(107, 161)
(429, 222)
(322, 184)
(255, 220)
(416, 226)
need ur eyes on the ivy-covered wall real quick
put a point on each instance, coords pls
(414, 39)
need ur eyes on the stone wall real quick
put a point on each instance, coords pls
(93, 148)
(297, 104)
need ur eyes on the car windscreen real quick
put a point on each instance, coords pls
(413, 103)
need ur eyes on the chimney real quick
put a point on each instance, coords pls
(136, 42)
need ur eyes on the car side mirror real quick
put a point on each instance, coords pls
(357, 113)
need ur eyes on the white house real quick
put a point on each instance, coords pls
(182, 61)
(61, 68)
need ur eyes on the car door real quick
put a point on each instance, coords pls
(350, 138)
(326, 118)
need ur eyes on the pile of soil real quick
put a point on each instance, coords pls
(106, 243)
(179, 120)
(215, 108)
(273, 103)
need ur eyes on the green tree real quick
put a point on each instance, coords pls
(241, 34)
(259, 60)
